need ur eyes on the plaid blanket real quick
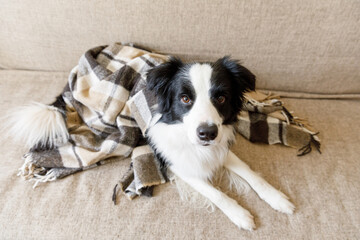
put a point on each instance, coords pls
(265, 119)
(107, 110)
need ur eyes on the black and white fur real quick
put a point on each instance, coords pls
(198, 104)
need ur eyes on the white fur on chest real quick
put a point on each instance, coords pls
(185, 157)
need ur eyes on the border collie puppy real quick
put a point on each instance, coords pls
(199, 104)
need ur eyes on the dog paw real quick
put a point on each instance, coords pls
(242, 218)
(280, 202)
(284, 205)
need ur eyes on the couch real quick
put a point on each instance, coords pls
(306, 51)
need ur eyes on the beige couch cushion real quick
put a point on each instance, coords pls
(303, 46)
(324, 188)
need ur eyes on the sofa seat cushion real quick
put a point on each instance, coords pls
(324, 187)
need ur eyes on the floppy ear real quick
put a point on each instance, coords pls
(244, 78)
(159, 78)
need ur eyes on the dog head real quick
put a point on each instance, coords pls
(204, 97)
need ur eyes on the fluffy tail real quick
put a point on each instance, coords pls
(37, 124)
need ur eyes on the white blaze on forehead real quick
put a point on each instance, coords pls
(203, 109)
(200, 75)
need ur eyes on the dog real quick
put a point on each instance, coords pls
(197, 107)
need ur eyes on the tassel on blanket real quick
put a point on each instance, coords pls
(30, 171)
(307, 148)
(49, 176)
(265, 119)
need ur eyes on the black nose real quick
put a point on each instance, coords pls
(207, 132)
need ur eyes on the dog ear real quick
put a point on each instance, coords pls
(159, 78)
(245, 78)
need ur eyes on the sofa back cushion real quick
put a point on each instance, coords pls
(303, 46)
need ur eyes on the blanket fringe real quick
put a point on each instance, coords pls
(48, 177)
(307, 148)
(267, 104)
(114, 194)
(29, 171)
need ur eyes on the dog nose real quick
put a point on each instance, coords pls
(207, 132)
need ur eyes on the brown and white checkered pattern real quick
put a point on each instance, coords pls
(108, 109)
(101, 97)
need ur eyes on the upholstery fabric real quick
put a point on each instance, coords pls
(307, 50)
(301, 46)
(324, 187)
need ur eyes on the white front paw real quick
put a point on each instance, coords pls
(279, 201)
(242, 218)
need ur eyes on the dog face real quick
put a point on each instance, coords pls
(202, 96)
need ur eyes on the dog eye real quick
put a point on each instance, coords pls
(221, 99)
(186, 99)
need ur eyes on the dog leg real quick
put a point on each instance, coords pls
(237, 214)
(268, 193)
